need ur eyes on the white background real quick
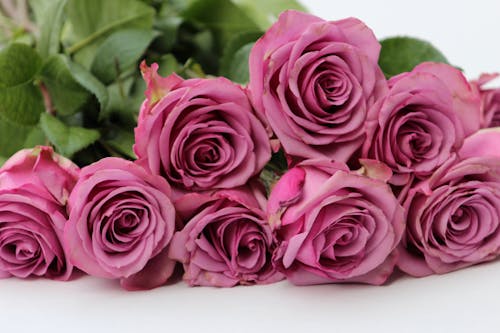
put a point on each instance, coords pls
(469, 300)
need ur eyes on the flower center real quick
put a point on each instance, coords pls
(332, 89)
(19, 249)
(206, 154)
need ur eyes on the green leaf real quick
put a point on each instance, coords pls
(168, 64)
(278, 162)
(49, 16)
(168, 28)
(119, 101)
(167, 23)
(67, 95)
(136, 96)
(90, 155)
(265, 12)
(269, 178)
(402, 54)
(120, 51)
(180, 5)
(89, 82)
(19, 63)
(67, 139)
(21, 104)
(223, 17)
(34, 137)
(14, 137)
(237, 70)
(121, 140)
(118, 94)
(234, 63)
(91, 21)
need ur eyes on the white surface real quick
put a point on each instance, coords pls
(465, 301)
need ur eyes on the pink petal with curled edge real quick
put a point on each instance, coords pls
(329, 167)
(187, 204)
(244, 195)
(358, 34)
(178, 245)
(43, 168)
(411, 264)
(292, 249)
(379, 275)
(466, 100)
(287, 191)
(157, 86)
(156, 273)
(77, 255)
(56, 172)
(487, 77)
(485, 142)
(490, 99)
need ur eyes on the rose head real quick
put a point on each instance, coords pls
(454, 216)
(490, 100)
(335, 225)
(53, 174)
(422, 121)
(199, 133)
(314, 81)
(226, 240)
(34, 187)
(121, 221)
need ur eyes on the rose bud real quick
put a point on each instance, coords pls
(335, 225)
(121, 221)
(421, 122)
(490, 100)
(34, 188)
(314, 81)
(199, 133)
(226, 240)
(454, 216)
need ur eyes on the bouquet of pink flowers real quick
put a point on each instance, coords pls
(324, 168)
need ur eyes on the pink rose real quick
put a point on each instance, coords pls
(199, 133)
(314, 80)
(453, 217)
(121, 221)
(335, 225)
(490, 100)
(226, 240)
(422, 121)
(34, 188)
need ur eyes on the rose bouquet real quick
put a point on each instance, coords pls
(306, 150)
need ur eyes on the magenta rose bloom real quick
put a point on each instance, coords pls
(314, 81)
(199, 133)
(121, 221)
(490, 100)
(335, 225)
(34, 188)
(422, 121)
(226, 240)
(454, 216)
